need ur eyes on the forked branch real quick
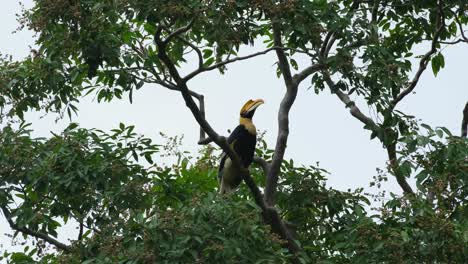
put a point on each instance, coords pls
(270, 215)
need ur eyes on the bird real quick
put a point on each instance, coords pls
(242, 140)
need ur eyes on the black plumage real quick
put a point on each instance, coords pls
(242, 140)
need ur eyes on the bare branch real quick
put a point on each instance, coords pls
(283, 118)
(30, 232)
(223, 63)
(464, 127)
(423, 62)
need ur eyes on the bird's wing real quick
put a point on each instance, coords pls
(231, 141)
(235, 134)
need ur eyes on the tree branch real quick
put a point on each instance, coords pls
(460, 26)
(269, 214)
(299, 77)
(423, 62)
(371, 125)
(196, 49)
(391, 151)
(353, 108)
(80, 232)
(30, 232)
(263, 164)
(220, 64)
(178, 32)
(282, 58)
(283, 118)
(325, 44)
(464, 126)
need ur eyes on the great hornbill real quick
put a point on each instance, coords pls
(242, 140)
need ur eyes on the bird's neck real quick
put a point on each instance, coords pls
(247, 123)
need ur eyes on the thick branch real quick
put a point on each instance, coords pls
(283, 119)
(423, 62)
(30, 232)
(80, 232)
(282, 58)
(464, 126)
(299, 77)
(391, 151)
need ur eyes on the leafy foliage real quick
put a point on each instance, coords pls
(131, 208)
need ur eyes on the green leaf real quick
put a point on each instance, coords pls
(437, 63)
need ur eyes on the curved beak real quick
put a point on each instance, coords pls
(255, 104)
(251, 105)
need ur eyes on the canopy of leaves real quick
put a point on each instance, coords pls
(130, 208)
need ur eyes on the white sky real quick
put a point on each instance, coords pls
(321, 129)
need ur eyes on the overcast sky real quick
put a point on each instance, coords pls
(321, 129)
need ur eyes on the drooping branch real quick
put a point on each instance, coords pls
(464, 126)
(30, 232)
(424, 60)
(283, 118)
